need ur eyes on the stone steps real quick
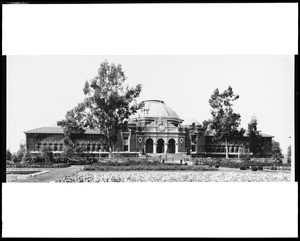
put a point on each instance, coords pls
(169, 156)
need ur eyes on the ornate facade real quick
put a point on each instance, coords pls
(154, 130)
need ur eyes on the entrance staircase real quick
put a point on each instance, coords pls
(177, 157)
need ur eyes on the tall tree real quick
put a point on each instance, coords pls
(8, 155)
(108, 103)
(224, 121)
(276, 150)
(74, 124)
(22, 150)
(289, 154)
(255, 138)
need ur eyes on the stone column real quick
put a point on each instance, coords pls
(154, 147)
(176, 147)
(166, 147)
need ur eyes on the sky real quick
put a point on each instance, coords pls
(41, 89)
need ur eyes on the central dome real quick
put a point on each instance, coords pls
(156, 108)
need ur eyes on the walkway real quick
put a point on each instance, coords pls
(51, 176)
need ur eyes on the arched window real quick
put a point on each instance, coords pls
(160, 146)
(149, 145)
(171, 146)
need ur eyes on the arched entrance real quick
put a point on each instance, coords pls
(171, 146)
(149, 146)
(160, 146)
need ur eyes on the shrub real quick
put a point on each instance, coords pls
(195, 162)
(254, 169)
(38, 159)
(8, 155)
(26, 157)
(260, 168)
(273, 168)
(15, 159)
(242, 168)
(80, 160)
(48, 157)
(9, 163)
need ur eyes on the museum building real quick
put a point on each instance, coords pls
(156, 129)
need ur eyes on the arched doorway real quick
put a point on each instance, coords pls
(149, 146)
(160, 146)
(171, 146)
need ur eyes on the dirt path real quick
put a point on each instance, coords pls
(51, 176)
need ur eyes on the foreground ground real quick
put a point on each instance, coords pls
(42, 174)
(179, 176)
(76, 174)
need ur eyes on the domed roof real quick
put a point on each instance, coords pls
(189, 122)
(155, 108)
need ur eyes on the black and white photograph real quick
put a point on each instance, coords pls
(149, 120)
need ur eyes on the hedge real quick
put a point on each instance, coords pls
(141, 167)
(235, 162)
(38, 165)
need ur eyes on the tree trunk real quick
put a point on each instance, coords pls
(226, 148)
(110, 152)
(109, 145)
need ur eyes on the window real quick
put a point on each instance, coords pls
(193, 148)
(125, 143)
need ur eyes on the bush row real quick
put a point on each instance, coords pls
(284, 168)
(253, 168)
(141, 167)
(37, 165)
(234, 162)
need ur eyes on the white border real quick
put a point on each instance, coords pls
(130, 29)
(144, 209)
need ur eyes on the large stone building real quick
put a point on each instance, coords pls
(154, 130)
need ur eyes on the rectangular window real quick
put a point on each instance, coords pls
(125, 142)
(193, 148)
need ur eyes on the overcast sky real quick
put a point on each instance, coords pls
(41, 89)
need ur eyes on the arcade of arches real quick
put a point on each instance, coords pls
(160, 146)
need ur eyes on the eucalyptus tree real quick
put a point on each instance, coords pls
(108, 103)
(225, 121)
